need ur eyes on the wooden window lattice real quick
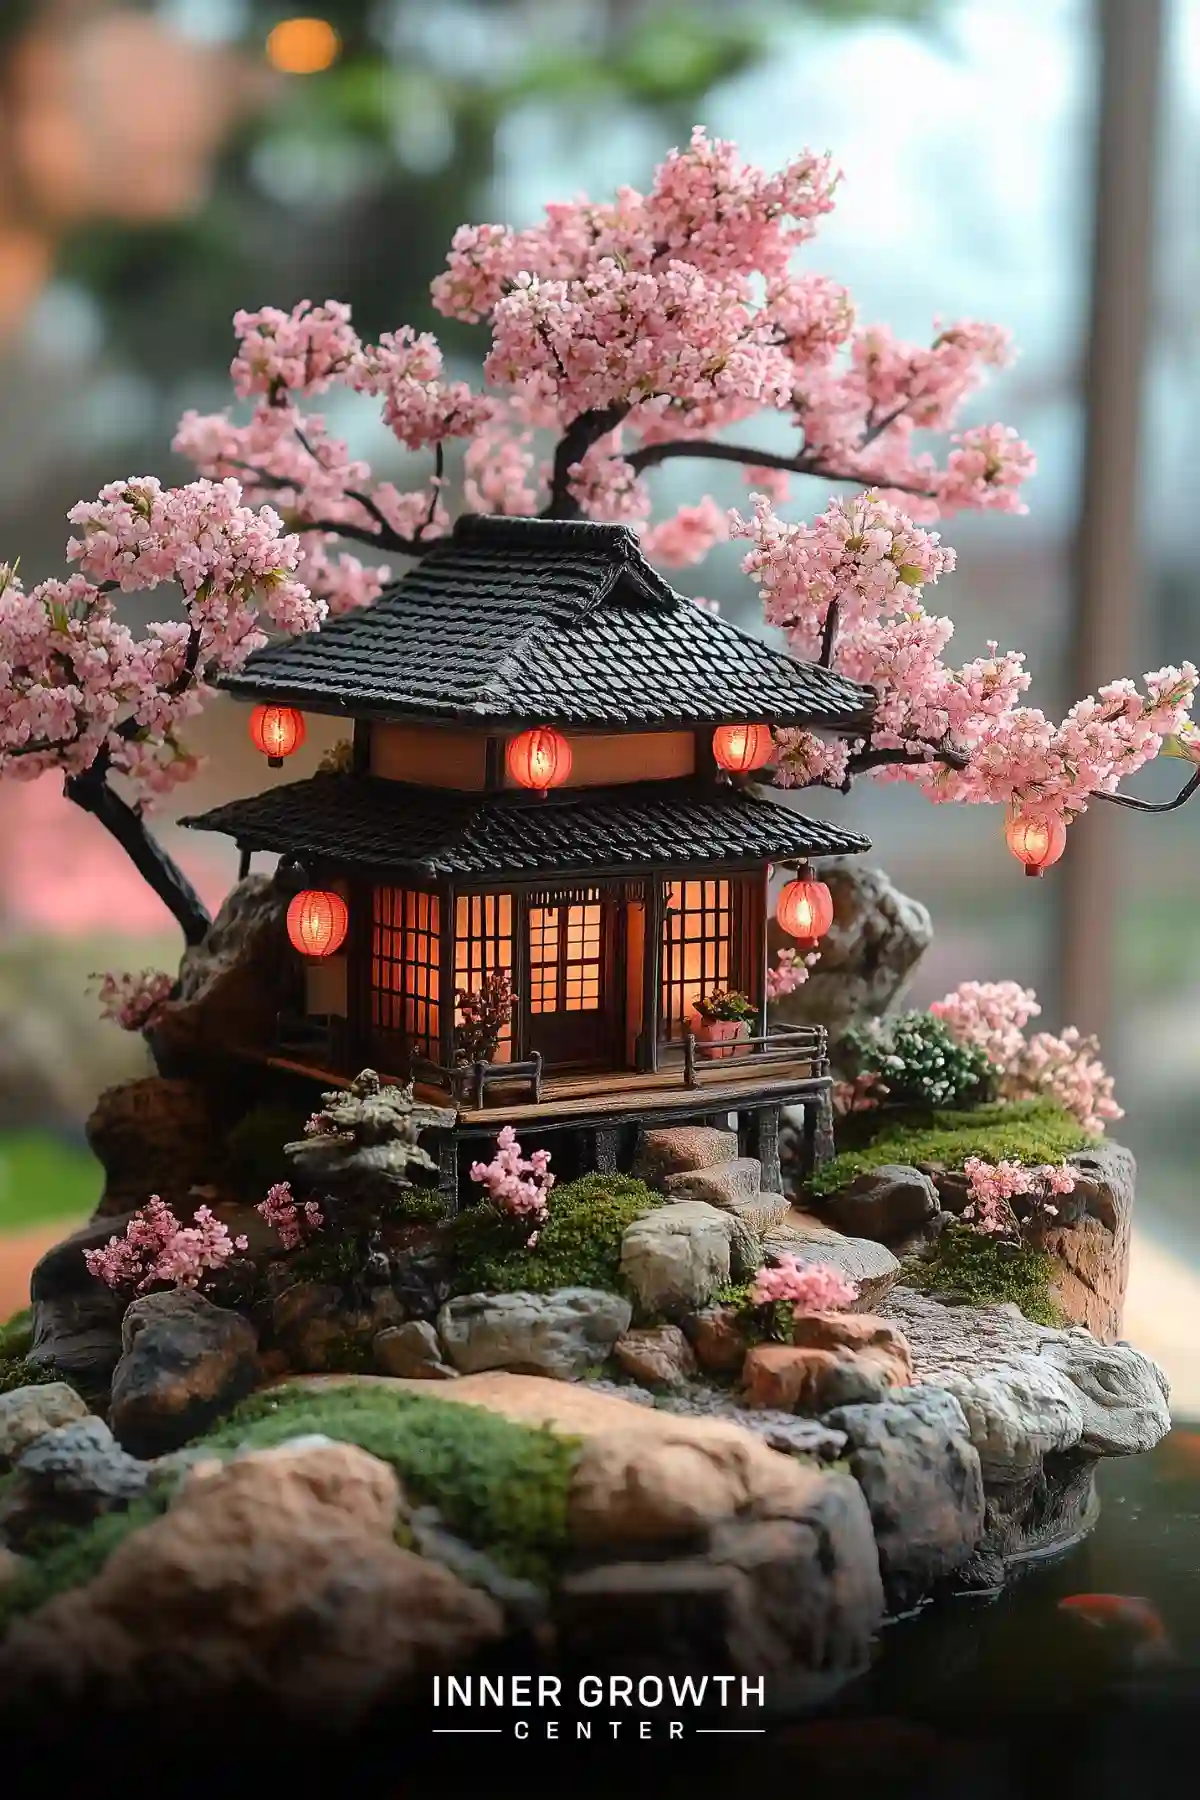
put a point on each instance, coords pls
(566, 949)
(696, 949)
(483, 943)
(405, 943)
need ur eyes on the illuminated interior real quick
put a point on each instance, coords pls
(565, 951)
(405, 941)
(483, 936)
(697, 935)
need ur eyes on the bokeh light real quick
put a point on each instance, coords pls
(303, 46)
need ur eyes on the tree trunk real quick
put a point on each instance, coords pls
(92, 792)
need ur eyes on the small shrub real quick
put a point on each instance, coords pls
(986, 1272)
(1025, 1131)
(919, 1063)
(578, 1244)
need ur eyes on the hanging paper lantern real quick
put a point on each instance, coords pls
(740, 748)
(805, 911)
(277, 731)
(539, 759)
(1036, 842)
(317, 922)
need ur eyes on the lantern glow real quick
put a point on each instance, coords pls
(1036, 842)
(741, 748)
(276, 731)
(317, 922)
(805, 911)
(539, 759)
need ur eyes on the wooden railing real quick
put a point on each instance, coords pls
(470, 1081)
(807, 1041)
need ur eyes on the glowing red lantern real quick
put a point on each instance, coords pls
(317, 922)
(741, 748)
(539, 759)
(277, 731)
(805, 910)
(1036, 842)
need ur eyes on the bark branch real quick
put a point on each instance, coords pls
(91, 792)
(576, 441)
(1150, 806)
(707, 450)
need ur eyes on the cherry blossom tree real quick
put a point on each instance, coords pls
(623, 335)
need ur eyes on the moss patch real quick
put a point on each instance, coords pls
(71, 1561)
(16, 1338)
(985, 1273)
(16, 1372)
(578, 1246)
(501, 1486)
(1026, 1131)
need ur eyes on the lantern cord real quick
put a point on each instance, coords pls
(1150, 806)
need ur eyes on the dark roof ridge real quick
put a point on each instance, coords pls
(595, 537)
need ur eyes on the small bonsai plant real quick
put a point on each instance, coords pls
(913, 1060)
(722, 1018)
(485, 1012)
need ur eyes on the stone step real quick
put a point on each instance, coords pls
(809, 1240)
(761, 1211)
(720, 1185)
(677, 1148)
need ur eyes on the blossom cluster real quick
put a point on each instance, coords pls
(789, 971)
(516, 1184)
(158, 1251)
(133, 1001)
(1065, 1068)
(806, 1287)
(992, 1186)
(292, 1220)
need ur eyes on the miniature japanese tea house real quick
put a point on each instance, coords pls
(615, 900)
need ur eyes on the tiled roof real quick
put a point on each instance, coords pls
(533, 621)
(387, 826)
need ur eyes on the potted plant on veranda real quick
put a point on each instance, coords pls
(721, 1018)
(485, 1013)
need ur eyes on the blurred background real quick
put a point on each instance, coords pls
(1028, 161)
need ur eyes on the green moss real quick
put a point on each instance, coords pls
(1026, 1131)
(501, 1486)
(985, 1273)
(71, 1560)
(16, 1338)
(17, 1372)
(757, 1324)
(578, 1246)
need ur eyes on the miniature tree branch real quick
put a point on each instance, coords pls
(1151, 806)
(91, 791)
(802, 463)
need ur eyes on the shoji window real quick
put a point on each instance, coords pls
(483, 943)
(697, 948)
(404, 967)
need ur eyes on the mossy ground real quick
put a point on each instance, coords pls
(579, 1245)
(501, 1486)
(1026, 1131)
(985, 1273)
(70, 1560)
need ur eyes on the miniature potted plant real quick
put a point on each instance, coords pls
(721, 1018)
(485, 1013)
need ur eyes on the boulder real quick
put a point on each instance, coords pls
(1091, 1257)
(231, 985)
(761, 1211)
(561, 1334)
(920, 1474)
(890, 1204)
(292, 1547)
(184, 1363)
(320, 1329)
(791, 1378)
(68, 1477)
(659, 1358)
(868, 955)
(76, 1319)
(676, 1257)
(1028, 1391)
(862, 1260)
(414, 1350)
(738, 1179)
(861, 1334)
(674, 1148)
(152, 1136)
(716, 1337)
(28, 1413)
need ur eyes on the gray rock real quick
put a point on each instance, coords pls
(412, 1351)
(871, 1265)
(738, 1179)
(1029, 1392)
(76, 1319)
(231, 985)
(676, 1147)
(184, 1363)
(523, 1602)
(28, 1413)
(787, 1432)
(68, 1477)
(655, 1617)
(889, 1203)
(561, 1334)
(922, 1480)
(676, 1257)
(658, 1358)
(761, 1211)
(877, 938)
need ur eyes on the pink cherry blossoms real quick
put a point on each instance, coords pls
(806, 1287)
(516, 1185)
(293, 1221)
(788, 972)
(993, 1185)
(1065, 1068)
(157, 1251)
(133, 1001)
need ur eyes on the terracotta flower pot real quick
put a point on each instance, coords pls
(717, 1039)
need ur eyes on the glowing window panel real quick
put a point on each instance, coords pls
(483, 943)
(405, 928)
(696, 949)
